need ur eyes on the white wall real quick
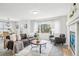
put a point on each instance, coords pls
(62, 24)
(22, 28)
(63, 27)
(58, 22)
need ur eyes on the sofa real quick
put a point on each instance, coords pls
(25, 39)
(17, 42)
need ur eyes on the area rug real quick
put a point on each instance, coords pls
(35, 51)
(50, 50)
(6, 53)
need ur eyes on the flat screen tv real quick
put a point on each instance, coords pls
(72, 41)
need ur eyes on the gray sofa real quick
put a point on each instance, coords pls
(18, 45)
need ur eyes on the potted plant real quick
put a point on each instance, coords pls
(37, 37)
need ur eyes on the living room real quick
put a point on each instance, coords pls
(38, 29)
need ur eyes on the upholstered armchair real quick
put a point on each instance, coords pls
(60, 40)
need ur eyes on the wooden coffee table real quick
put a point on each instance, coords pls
(41, 42)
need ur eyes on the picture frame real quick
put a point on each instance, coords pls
(45, 28)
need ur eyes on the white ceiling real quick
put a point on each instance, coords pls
(24, 10)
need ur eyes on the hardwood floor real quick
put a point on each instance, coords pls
(67, 52)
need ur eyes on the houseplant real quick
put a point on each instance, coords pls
(37, 37)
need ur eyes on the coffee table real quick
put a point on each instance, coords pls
(41, 42)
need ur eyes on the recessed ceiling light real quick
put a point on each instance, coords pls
(35, 12)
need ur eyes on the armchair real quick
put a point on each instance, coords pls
(60, 40)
